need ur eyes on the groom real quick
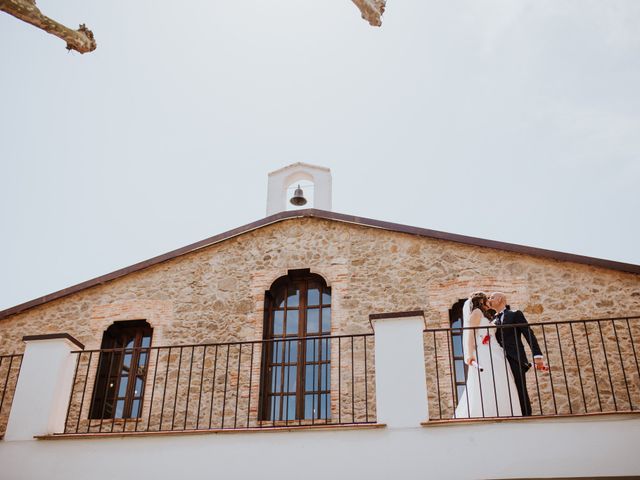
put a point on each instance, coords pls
(510, 338)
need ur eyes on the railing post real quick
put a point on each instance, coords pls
(401, 392)
(42, 393)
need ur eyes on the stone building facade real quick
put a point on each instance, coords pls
(214, 291)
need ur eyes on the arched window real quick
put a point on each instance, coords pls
(119, 386)
(459, 367)
(296, 373)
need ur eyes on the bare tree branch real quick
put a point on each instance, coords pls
(371, 10)
(80, 40)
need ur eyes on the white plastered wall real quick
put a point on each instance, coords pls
(579, 447)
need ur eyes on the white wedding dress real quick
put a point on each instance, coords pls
(491, 392)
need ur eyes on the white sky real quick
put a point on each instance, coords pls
(510, 120)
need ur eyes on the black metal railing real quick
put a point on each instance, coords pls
(592, 368)
(9, 371)
(236, 385)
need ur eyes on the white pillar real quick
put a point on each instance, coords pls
(42, 393)
(401, 388)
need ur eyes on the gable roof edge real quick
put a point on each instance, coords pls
(327, 215)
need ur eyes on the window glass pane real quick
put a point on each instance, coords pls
(138, 387)
(276, 379)
(275, 408)
(277, 352)
(326, 320)
(291, 407)
(119, 409)
(457, 324)
(325, 349)
(293, 297)
(291, 355)
(313, 320)
(325, 405)
(108, 409)
(122, 389)
(310, 406)
(146, 341)
(285, 406)
(457, 345)
(326, 297)
(324, 377)
(278, 301)
(285, 380)
(311, 350)
(135, 409)
(142, 359)
(127, 360)
(114, 359)
(278, 322)
(131, 342)
(292, 376)
(311, 378)
(292, 322)
(459, 370)
(313, 296)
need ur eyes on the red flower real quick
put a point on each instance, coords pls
(485, 339)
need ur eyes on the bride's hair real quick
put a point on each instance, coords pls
(478, 300)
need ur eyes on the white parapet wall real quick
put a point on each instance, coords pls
(588, 446)
(579, 447)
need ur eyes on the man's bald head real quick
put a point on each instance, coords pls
(497, 301)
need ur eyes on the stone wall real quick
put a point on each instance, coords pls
(217, 294)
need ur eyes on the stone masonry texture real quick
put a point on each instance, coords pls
(216, 294)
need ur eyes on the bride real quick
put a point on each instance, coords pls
(490, 389)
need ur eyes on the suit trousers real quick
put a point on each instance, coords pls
(519, 375)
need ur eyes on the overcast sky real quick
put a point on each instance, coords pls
(509, 120)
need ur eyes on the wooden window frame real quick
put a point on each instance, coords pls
(320, 362)
(455, 314)
(109, 374)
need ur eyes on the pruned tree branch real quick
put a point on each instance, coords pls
(80, 40)
(371, 10)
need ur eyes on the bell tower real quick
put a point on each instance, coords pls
(282, 179)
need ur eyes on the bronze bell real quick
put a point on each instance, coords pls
(298, 198)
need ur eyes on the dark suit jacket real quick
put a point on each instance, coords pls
(510, 335)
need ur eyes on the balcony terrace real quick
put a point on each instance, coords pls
(376, 404)
(592, 369)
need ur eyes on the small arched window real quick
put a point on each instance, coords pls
(122, 370)
(296, 374)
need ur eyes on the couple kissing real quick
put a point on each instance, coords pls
(496, 384)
